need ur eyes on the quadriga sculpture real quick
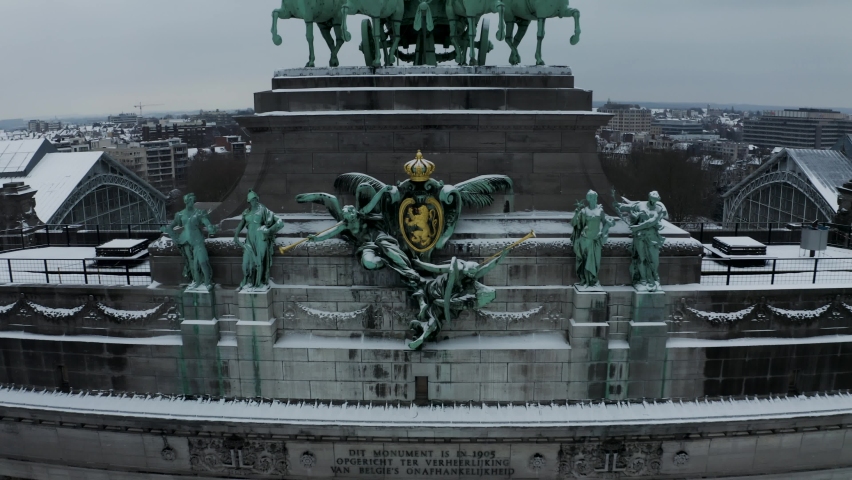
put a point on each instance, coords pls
(523, 12)
(470, 11)
(327, 14)
(390, 11)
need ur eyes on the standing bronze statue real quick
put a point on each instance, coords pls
(186, 231)
(645, 221)
(261, 226)
(591, 230)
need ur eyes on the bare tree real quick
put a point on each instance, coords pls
(686, 189)
(212, 175)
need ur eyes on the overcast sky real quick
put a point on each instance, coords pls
(103, 56)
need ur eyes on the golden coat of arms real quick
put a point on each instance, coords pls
(421, 223)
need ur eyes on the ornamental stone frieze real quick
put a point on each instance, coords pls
(239, 457)
(610, 459)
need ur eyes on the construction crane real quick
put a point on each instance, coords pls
(147, 105)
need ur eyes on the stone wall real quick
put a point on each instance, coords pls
(68, 443)
(536, 127)
(345, 343)
(538, 262)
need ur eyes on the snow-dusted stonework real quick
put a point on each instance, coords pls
(718, 318)
(237, 456)
(762, 312)
(610, 459)
(91, 311)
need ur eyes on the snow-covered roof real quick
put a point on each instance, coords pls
(844, 145)
(54, 178)
(16, 155)
(532, 415)
(826, 170)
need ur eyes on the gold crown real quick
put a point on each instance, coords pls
(419, 169)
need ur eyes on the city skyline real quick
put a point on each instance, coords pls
(105, 57)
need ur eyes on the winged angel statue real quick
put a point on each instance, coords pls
(400, 226)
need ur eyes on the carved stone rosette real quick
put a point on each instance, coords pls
(610, 459)
(237, 456)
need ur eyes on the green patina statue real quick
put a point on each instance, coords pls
(645, 222)
(523, 12)
(591, 230)
(327, 14)
(399, 226)
(395, 26)
(186, 231)
(261, 226)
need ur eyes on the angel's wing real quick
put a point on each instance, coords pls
(477, 192)
(349, 182)
(328, 201)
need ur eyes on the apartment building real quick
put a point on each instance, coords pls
(162, 162)
(802, 128)
(627, 118)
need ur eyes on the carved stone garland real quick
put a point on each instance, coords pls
(610, 459)
(237, 456)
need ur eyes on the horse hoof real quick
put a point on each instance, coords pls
(334, 62)
(575, 39)
(309, 65)
(277, 40)
(539, 62)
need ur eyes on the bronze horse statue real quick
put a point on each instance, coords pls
(389, 11)
(470, 11)
(327, 15)
(523, 12)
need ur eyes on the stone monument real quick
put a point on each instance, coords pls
(412, 326)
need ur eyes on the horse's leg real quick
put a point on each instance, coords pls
(338, 34)
(377, 27)
(471, 37)
(309, 35)
(325, 31)
(523, 25)
(573, 12)
(539, 37)
(276, 39)
(396, 22)
(454, 37)
(510, 29)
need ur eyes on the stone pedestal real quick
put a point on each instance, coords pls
(526, 122)
(199, 303)
(255, 305)
(589, 305)
(647, 356)
(256, 331)
(649, 306)
(587, 373)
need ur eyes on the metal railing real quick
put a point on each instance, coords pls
(74, 235)
(777, 271)
(768, 233)
(72, 272)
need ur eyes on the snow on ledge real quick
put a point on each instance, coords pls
(754, 341)
(466, 415)
(538, 341)
(160, 340)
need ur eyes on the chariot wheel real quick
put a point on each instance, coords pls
(367, 41)
(483, 42)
